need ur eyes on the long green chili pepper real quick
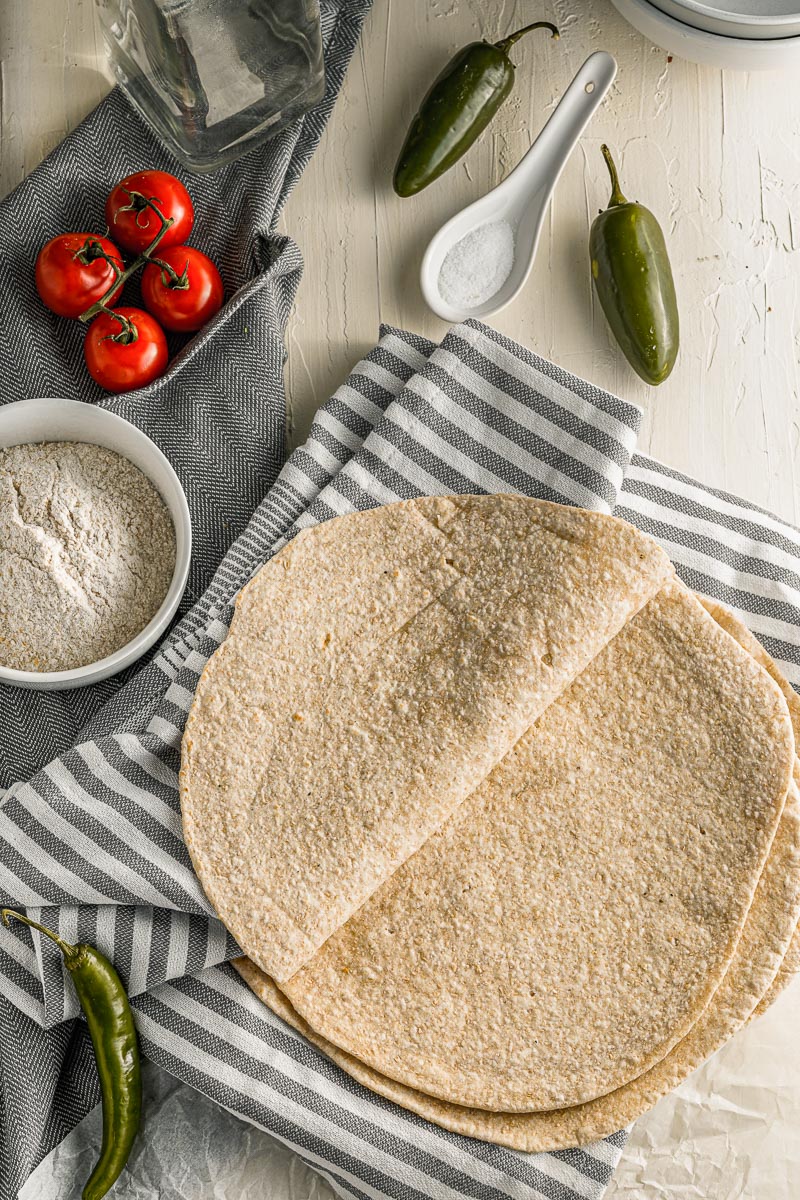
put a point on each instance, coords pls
(457, 109)
(110, 1021)
(633, 280)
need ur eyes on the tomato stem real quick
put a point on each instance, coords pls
(169, 276)
(91, 250)
(121, 277)
(139, 204)
(127, 335)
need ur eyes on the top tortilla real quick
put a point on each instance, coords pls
(376, 670)
(570, 922)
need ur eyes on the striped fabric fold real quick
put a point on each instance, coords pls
(725, 548)
(92, 845)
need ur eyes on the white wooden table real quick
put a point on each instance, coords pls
(718, 159)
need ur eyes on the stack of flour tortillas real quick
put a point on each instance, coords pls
(503, 817)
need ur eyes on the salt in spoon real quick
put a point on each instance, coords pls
(522, 198)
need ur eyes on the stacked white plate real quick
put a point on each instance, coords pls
(746, 35)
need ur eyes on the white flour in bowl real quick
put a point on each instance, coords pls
(87, 554)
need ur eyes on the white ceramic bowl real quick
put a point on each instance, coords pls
(737, 18)
(711, 49)
(73, 421)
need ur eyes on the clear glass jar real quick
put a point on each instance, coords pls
(215, 78)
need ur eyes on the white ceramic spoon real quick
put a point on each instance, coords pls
(522, 198)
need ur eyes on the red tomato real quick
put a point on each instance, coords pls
(119, 365)
(178, 305)
(134, 223)
(72, 274)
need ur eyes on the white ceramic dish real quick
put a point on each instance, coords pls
(55, 420)
(738, 18)
(523, 197)
(710, 49)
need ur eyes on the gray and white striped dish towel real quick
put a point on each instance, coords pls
(92, 843)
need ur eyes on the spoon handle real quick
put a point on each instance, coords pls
(544, 162)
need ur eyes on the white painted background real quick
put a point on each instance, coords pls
(717, 156)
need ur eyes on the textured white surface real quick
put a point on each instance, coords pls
(717, 156)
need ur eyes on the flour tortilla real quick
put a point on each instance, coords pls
(376, 670)
(766, 934)
(570, 922)
(788, 972)
(790, 967)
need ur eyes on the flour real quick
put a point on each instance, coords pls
(478, 265)
(87, 553)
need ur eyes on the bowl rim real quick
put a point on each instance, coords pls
(178, 508)
(738, 18)
(710, 13)
(759, 46)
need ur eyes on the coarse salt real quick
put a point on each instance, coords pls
(478, 265)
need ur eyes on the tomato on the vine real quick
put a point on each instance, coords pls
(73, 272)
(182, 288)
(125, 351)
(130, 216)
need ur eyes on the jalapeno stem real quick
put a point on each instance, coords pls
(616, 193)
(70, 952)
(507, 42)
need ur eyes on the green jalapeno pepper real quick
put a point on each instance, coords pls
(457, 109)
(633, 280)
(108, 1016)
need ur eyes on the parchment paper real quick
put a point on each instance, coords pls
(189, 1149)
(731, 1132)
